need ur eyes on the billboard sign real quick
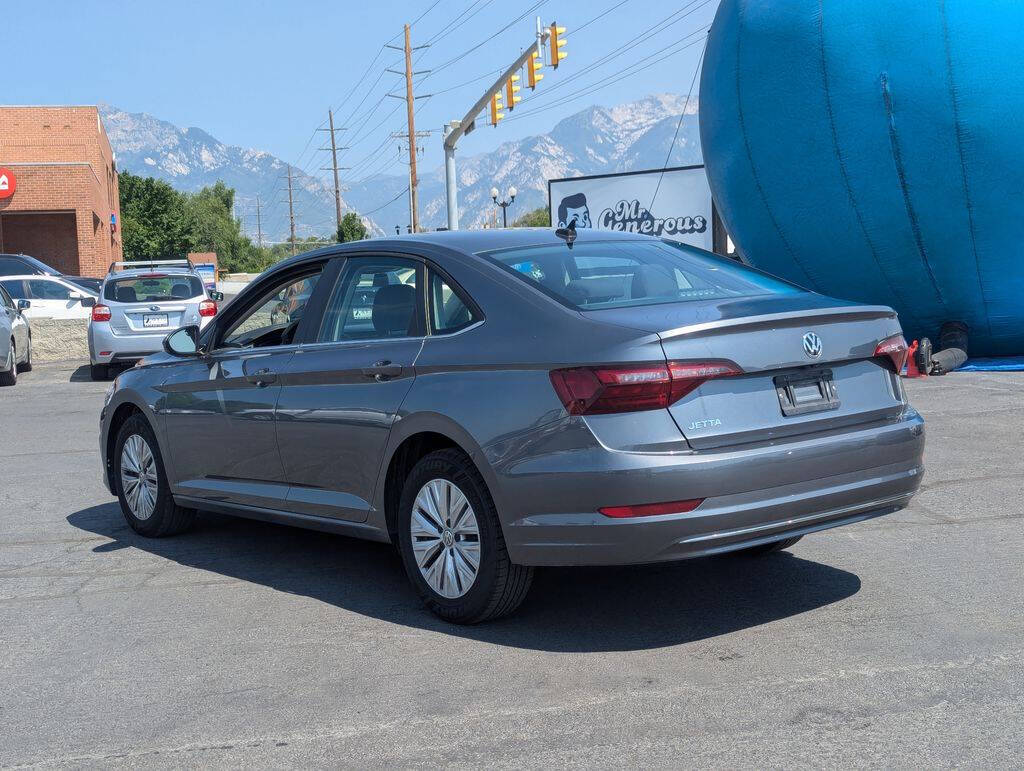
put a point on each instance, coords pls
(669, 203)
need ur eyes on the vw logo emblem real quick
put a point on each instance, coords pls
(812, 345)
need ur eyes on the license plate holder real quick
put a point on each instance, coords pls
(809, 391)
(154, 320)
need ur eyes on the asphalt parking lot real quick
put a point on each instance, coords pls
(895, 642)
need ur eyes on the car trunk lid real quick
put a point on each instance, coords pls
(775, 396)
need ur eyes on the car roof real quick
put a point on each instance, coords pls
(466, 241)
(136, 272)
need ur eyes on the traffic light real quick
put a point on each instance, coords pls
(511, 91)
(496, 115)
(555, 44)
(533, 64)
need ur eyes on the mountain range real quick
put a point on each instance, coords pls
(597, 140)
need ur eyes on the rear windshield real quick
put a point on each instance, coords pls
(148, 289)
(617, 274)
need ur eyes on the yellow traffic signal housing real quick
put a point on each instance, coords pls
(495, 108)
(511, 91)
(533, 64)
(555, 44)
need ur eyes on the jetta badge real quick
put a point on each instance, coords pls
(812, 345)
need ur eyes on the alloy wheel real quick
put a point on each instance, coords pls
(445, 538)
(138, 476)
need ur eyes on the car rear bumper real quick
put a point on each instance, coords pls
(751, 495)
(107, 347)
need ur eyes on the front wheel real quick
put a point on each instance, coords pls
(451, 542)
(141, 483)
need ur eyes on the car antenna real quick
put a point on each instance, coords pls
(568, 233)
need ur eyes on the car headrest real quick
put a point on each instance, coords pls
(126, 294)
(654, 281)
(393, 307)
(181, 291)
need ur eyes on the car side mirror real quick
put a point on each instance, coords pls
(183, 342)
(24, 304)
(88, 301)
(217, 296)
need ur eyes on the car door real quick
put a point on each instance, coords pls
(52, 299)
(343, 389)
(15, 326)
(218, 408)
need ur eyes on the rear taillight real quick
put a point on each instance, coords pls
(651, 509)
(633, 387)
(207, 308)
(100, 313)
(895, 349)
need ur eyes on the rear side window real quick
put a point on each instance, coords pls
(375, 299)
(157, 288)
(617, 274)
(448, 313)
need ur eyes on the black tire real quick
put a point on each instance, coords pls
(26, 366)
(9, 376)
(499, 586)
(768, 548)
(99, 371)
(167, 518)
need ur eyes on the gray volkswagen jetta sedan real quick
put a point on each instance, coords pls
(492, 401)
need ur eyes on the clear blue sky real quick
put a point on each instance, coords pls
(263, 74)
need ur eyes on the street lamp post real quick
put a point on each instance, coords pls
(504, 204)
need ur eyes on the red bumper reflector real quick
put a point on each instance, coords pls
(651, 509)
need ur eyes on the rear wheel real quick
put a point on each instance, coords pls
(769, 548)
(451, 542)
(141, 481)
(9, 375)
(26, 365)
(99, 371)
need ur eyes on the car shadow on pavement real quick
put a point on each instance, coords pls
(567, 610)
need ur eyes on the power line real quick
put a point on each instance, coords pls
(384, 205)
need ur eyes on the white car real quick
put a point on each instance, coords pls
(50, 297)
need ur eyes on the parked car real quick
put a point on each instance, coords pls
(140, 302)
(15, 338)
(52, 297)
(514, 400)
(23, 264)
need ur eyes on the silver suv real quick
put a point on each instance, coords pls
(139, 303)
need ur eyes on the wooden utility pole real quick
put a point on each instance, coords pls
(259, 224)
(291, 210)
(334, 164)
(409, 108)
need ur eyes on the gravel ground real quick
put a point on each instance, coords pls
(895, 642)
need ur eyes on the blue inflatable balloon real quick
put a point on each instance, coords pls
(872, 150)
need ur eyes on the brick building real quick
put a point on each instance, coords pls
(64, 208)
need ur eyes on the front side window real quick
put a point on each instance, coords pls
(48, 290)
(5, 299)
(377, 298)
(154, 288)
(273, 319)
(617, 274)
(448, 313)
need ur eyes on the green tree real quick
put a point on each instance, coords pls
(538, 218)
(152, 218)
(351, 228)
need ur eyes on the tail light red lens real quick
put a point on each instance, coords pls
(651, 509)
(895, 349)
(632, 387)
(207, 308)
(100, 313)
